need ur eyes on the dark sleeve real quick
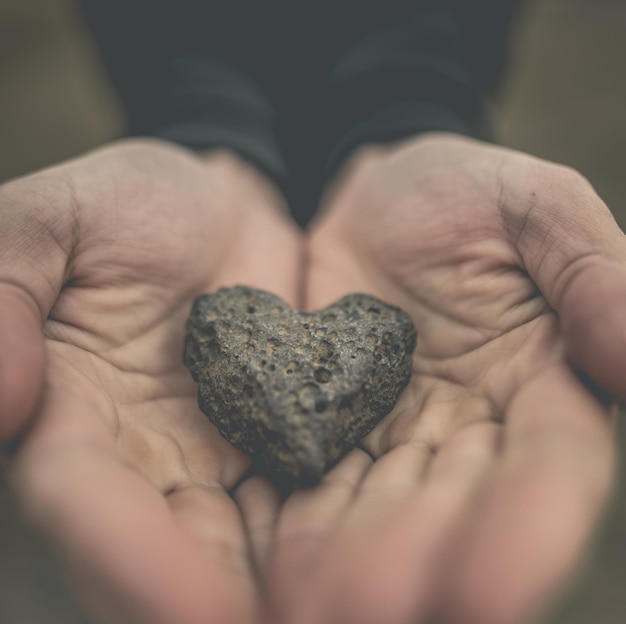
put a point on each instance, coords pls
(384, 71)
(428, 70)
(183, 75)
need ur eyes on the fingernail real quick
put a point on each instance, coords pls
(12, 445)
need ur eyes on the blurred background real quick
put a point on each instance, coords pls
(563, 98)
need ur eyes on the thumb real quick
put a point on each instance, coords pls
(594, 322)
(576, 254)
(22, 360)
(36, 230)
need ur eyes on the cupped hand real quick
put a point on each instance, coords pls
(117, 466)
(473, 500)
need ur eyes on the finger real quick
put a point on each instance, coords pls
(259, 502)
(381, 565)
(133, 555)
(36, 235)
(551, 485)
(307, 519)
(593, 309)
(212, 519)
(575, 252)
(22, 360)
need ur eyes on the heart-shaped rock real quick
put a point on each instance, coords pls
(296, 390)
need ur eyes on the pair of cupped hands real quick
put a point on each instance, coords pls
(470, 503)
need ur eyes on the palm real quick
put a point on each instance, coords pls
(119, 414)
(493, 412)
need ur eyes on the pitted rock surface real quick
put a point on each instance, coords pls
(296, 390)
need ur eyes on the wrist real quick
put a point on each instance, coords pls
(244, 177)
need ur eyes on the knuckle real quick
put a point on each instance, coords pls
(570, 178)
(570, 190)
(562, 197)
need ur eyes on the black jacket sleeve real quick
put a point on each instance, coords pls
(187, 71)
(297, 87)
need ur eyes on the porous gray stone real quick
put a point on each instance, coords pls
(296, 390)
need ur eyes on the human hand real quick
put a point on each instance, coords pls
(474, 498)
(117, 465)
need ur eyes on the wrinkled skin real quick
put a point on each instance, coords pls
(473, 499)
(119, 468)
